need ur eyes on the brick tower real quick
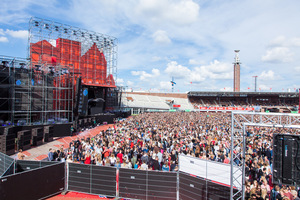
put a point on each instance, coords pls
(236, 75)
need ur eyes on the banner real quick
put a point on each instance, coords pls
(226, 108)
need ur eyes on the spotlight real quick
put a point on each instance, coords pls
(36, 23)
(46, 26)
(52, 71)
(5, 63)
(82, 34)
(22, 65)
(91, 36)
(66, 30)
(97, 38)
(38, 67)
(56, 28)
(74, 32)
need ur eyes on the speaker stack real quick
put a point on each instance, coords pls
(7, 142)
(48, 133)
(24, 140)
(37, 136)
(286, 159)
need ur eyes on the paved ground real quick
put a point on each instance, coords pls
(78, 196)
(40, 152)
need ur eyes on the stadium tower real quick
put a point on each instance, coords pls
(236, 75)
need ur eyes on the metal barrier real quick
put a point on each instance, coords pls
(139, 184)
(92, 179)
(127, 183)
(109, 181)
(6, 164)
(191, 187)
(34, 184)
(26, 165)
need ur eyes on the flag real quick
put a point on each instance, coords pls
(270, 88)
(248, 88)
(173, 83)
(191, 82)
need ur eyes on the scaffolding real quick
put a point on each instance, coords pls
(239, 122)
(14, 90)
(42, 88)
(93, 56)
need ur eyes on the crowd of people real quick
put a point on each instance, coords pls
(153, 141)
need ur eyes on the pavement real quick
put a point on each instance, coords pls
(40, 152)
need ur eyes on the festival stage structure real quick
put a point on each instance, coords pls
(69, 73)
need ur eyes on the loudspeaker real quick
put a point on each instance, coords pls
(24, 140)
(37, 136)
(286, 159)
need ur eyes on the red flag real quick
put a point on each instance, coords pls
(270, 88)
(191, 82)
(259, 89)
(248, 88)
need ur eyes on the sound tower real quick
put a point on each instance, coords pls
(286, 159)
(7, 141)
(24, 140)
(37, 136)
(48, 133)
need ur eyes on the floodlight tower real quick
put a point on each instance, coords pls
(236, 73)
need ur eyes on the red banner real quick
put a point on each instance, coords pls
(224, 108)
(176, 106)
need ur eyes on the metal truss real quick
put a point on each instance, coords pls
(42, 29)
(239, 122)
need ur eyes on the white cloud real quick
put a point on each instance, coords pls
(22, 34)
(120, 80)
(3, 39)
(263, 87)
(2, 32)
(156, 58)
(297, 69)
(177, 71)
(130, 83)
(180, 12)
(215, 70)
(165, 85)
(268, 75)
(144, 75)
(278, 54)
(161, 37)
(195, 62)
(282, 41)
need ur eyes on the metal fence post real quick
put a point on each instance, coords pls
(117, 183)
(91, 175)
(206, 179)
(147, 184)
(177, 187)
(66, 176)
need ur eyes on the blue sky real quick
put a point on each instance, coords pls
(191, 40)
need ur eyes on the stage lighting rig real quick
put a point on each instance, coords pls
(37, 67)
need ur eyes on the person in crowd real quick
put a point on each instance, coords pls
(154, 141)
(20, 155)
